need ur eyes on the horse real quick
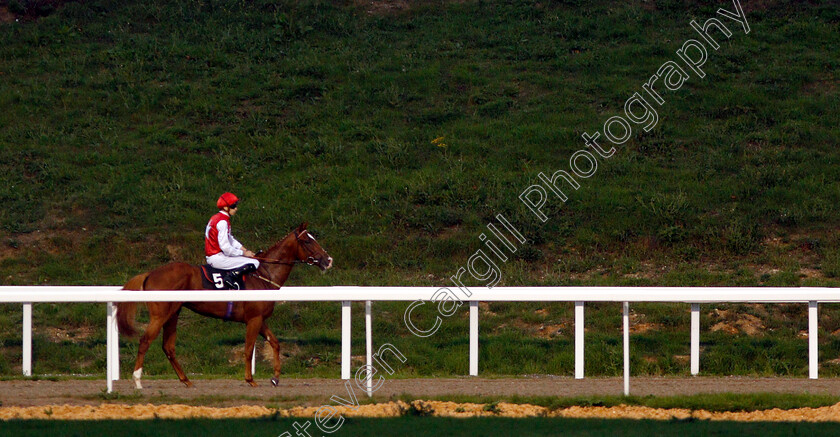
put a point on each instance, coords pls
(276, 263)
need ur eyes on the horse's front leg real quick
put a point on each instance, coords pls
(275, 346)
(252, 329)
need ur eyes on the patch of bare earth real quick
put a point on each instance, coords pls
(51, 236)
(825, 85)
(639, 325)
(485, 309)
(733, 322)
(550, 331)
(542, 330)
(247, 107)
(646, 270)
(34, 9)
(422, 407)
(797, 247)
(6, 16)
(53, 242)
(73, 335)
(382, 7)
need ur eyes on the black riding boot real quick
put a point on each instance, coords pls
(233, 275)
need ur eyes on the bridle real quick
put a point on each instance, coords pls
(310, 260)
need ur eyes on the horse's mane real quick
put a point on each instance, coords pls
(276, 247)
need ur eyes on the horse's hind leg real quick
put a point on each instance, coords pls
(252, 328)
(275, 346)
(169, 333)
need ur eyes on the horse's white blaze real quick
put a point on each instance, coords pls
(137, 374)
(310, 236)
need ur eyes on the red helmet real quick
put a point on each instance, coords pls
(227, 199)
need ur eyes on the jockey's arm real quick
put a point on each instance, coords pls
(228, 247)
(241, 247)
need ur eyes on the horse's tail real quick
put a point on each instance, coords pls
(127, 310)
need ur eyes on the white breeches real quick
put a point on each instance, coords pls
(222, 261)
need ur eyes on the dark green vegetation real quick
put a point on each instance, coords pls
(424, 426)
(122, 121)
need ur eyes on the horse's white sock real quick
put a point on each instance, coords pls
(137, 374)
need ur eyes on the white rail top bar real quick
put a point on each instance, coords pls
(36, 294)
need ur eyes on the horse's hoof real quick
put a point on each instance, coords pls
(275, 381)
(187, 383)
(251, 383)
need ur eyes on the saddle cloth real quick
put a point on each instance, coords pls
(213, 279)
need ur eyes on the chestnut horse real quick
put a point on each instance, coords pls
(276, 264)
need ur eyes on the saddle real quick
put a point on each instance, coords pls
(218, 279)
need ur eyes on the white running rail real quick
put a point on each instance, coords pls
(695, 296)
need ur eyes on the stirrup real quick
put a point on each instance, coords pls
(247, 268)
(230, 278)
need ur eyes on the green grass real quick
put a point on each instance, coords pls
(424, 426)
(123, 121)
(715, 402)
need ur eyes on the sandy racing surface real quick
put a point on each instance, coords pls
(400, 408)
(166, 398)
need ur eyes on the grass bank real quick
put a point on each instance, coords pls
(399, 133)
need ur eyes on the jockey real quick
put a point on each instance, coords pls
(221, 249)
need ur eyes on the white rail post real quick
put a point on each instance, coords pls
(26, 365)
(695, 338)
(813, 347)
(473, 338)
(109, 346)
(345, 339)
(369, 348)
(115, 350)
(579, 340)
(626, 316)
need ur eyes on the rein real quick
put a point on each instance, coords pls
(310, 261)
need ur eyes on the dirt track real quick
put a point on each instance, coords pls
(313, 392)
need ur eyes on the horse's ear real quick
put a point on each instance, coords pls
(302, 227)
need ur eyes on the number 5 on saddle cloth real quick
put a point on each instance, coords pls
(218, 279)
